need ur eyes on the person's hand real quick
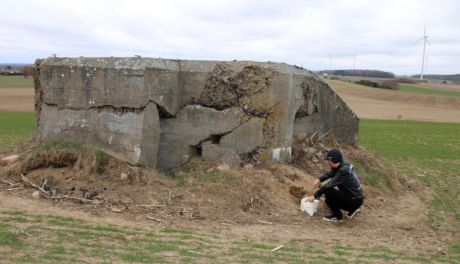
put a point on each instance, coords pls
(317, 183)
(311, 198)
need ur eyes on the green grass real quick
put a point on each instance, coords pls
(101, 159)
(61, 153)
(373, 177)
(60, 145)
(10, 239)
(16, 82)
(15, 129)
(427, 151)
(424, 90)
(412, 140)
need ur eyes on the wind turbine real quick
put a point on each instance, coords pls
(425, 41)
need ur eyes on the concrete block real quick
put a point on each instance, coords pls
(131, 136)
(161, 112)
(181, 137)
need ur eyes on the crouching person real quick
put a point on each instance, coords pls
(343, 190)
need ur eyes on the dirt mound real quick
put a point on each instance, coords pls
(297, 192)
(71, 175)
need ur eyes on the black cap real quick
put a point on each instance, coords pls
(334, 155)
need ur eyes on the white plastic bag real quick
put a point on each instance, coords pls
(309, 207)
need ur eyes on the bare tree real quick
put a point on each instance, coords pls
(27, 71)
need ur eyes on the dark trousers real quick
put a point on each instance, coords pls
(339, 199)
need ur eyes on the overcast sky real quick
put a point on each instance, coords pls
(314, 34)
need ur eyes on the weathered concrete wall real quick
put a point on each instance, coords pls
(324, 111)
(160, 113)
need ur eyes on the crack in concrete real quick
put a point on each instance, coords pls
(116, 109)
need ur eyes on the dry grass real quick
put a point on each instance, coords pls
(62, 154)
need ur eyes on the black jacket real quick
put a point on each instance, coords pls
(345, 178)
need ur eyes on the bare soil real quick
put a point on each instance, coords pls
(17, 99)
(375, 103)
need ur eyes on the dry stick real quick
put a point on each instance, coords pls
(196, 252)
(63, 197)
(312, 136)
(325, 134)
(264, 222)
(323, 147)
(277, 248)
(150, 205)
(153, 218)
(116, 210)
(13, 189)
(44, 183)
(83, 200)
(24, 179)
(9, 183)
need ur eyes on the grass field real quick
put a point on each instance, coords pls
(15, 129)
(424, 150)
(427, 151)
(423, 90)
(15, 82)
(26, 238)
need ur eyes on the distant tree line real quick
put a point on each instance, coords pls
(360, 73)
(383, 84)
(9, 70)
(24, 70)
(27, 71)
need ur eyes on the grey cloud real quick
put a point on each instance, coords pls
(315, 34)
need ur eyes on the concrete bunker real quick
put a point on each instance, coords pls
(160, 113)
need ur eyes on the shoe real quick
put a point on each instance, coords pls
(352, 214)
(332, 218)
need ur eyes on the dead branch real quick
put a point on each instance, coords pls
(312, 136)
(9, 183)
(14, 189)
(277, 248)
(264, 222)
(323, 135)
(78, 199)
(41, 189)
(323, 147)
(153, 218)
(116, 210)
(196, 252)
(150, 205)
